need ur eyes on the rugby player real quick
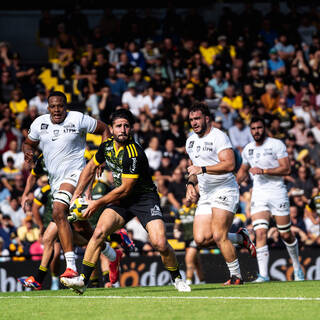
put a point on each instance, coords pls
(212, 173)
(61, 135)
(134, 195)
(267, 161)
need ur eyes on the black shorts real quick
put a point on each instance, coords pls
(146, 207)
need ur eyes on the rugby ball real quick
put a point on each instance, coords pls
(78, 208)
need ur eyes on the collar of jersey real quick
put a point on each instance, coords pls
(115, 149)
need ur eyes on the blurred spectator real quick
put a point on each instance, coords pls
(7, 230)
(132, 99)
(218, 83)
(232, 98)
(116, 84)
(300, 131)
(40, 102)
(306, 112)
(135, 56)
(285, 51)
(239, 134)
(316, 129)
(227, 115)
(177, 190)
(154, 153)
(275, 64)
(12, 208)
(304, 181)
(108, 102)
(7, 85)
(28, 234)
(138, 80)
(314, 149)
(8, 174)
(15, 154)
(270, 99)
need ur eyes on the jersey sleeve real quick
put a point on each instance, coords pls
(281, 150)
(222, 142)
(244, 156)
(99, 157)
(88, 123)
(34, 131)
(41, 198)
(132, 162)
(38, 170)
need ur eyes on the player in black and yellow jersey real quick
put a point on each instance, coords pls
(134, 195)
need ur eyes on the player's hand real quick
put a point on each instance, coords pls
(100, 170)
(28, 157)
(92, 208)
(256, 170)
(191, 194)
(23, 202)
(194, 170)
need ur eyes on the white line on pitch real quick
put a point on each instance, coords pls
(168, 298)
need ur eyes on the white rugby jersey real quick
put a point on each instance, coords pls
(62, 144)
(265, 157)
(203, 151)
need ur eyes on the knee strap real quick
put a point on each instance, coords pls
(260, 224)
(62, 196)
(284, 228)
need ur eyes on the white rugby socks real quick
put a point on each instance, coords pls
(234, 268)
(293, 250)
(263, 260)
(70, 260)
(109, 252)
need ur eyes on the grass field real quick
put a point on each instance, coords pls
(274, 300)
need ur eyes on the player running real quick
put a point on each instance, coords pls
(134, 195)
(212, 173)
(61, 135)
(267, 161)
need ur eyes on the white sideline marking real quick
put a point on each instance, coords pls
(173, 297)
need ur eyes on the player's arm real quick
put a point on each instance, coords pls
(191, 189)
(226, 164)
(31, 181)
(29, 147)
(243, 173)
(89, 171)
(103, 130)
(283, 169)
(36, 205)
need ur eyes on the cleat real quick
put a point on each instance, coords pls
(75, 283)
(247, 243)
(234, 280)
(261, 279)
(126, 243)
(181, 285)
(299, 275)
(189, 282)
(114, 268)
(30, 282)
(54, 283)
(69, 273)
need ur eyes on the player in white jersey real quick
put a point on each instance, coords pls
(61, 135)
(213, 164)
(267, 161)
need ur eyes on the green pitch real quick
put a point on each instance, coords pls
(274, 300)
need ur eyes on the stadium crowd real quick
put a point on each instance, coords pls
(243, 64)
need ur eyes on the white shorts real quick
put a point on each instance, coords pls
(276, 202)
(71, 178)
(226, 198)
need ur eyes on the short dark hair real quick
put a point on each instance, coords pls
(122, 114)
(257, 119)
(58, 94)
(200, 106)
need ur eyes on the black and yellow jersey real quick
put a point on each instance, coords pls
(39, 168)
(128, 161)
(314, 204)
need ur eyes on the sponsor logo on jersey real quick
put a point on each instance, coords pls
(155, 211)
(44, 126)
(250, 152)
(198, 148)
(56, 132)
(191, 143)
(133, 165)
(70, 128)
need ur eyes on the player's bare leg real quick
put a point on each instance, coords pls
(61, 203)
(55, 266)
(202, 231)
(291, 242)
(109, 222)
(190, 259)
(49, 237)
(260, 221)
(199, 269)
(157, 234)
(221, 223)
